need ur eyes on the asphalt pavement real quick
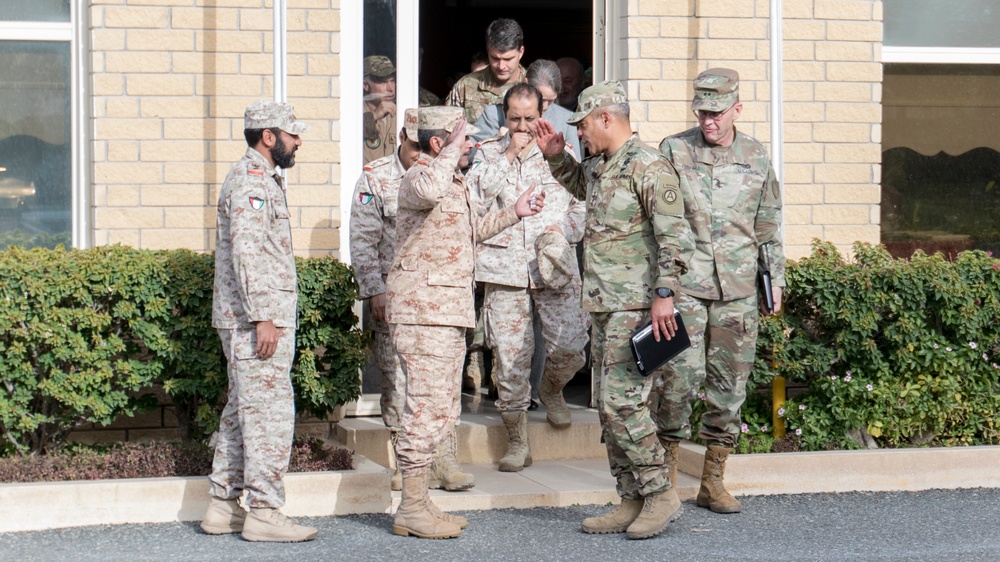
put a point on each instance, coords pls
(954, 525)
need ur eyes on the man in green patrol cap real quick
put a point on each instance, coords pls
(735, 216)
(634, 228)
(379, 107)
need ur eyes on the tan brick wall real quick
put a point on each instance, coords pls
(170, 81)
(832, 91)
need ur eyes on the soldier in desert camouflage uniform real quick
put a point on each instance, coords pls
(379, 115)
(505, 166)
(635, 218)
(504, 47)
(254, 310)
(373, 239)
(736, 208)
(429, 304)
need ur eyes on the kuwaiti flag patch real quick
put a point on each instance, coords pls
(256, 203)
(365, 198)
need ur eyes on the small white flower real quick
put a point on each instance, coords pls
(947, 349)
(833, 377)
(798, 431)
(781, 412)
(802, 406)
(744, 428)
(870, 388)
(847, 378)
(986, 357)
(701, 395)
(848, 374)
(763, 428)
(972, 344)
(935, 346)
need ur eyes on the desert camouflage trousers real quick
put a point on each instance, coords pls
(254, 441)
(510, 334)
(635, 454)
(432, 358)
(723, 345)
(393, 379)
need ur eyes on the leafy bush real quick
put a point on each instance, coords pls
(890, 352)
(85, 334)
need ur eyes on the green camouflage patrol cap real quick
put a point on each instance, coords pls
(378, 66)
(716, 89)
(556, 260)
(410, 117)
(272, 114)
(443, 117)
(598, 95)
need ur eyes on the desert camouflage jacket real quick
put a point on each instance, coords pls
(476, 90)
(509, 257)
(373, 223)
(734, 207)
(431, 278)
(635, 220)
(254, 265)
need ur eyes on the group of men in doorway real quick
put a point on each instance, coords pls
(670, 231)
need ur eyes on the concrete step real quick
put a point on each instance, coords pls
(482, 438)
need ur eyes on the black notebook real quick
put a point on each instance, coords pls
(650, 354)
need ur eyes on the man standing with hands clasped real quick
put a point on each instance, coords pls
(735, 210)
(254, 310)
(635, 223)
(429, 305)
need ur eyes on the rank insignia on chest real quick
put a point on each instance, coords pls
(365, 198)
(256, 203)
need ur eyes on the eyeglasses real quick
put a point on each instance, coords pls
(703, 115)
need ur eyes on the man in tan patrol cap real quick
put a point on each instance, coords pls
(632, 257)
(254, 308)
(429, 306)
(379, 107)
(738, 201)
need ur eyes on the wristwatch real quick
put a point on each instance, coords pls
(664, 292)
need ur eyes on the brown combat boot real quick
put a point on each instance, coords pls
(550, 393)
(445, 471)
(713, 494)
(615, 521)
(518, 450)
(223, 517)
(462, 522)
(671, 458)
(396, 484)
(415, 516)
(657, 512)
(265, 524)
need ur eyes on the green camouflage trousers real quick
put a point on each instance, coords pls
(723, 345)
(510, 334)
(431, 357)
(634, 452)
(393, 378)
(254, 441)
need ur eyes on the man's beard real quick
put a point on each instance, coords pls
(282, 158)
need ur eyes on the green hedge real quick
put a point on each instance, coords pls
(85, 336)
(886, 352)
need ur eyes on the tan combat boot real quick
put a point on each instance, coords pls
(415, 517)
(518, 451)
(713, 494)
(462, 522)
(223, 517)
(671, 458)
(615, 521)
(396, 484)
(265, 524)
(445, 471)
(657, 512)
(550, 393)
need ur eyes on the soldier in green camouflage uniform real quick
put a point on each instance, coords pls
(504, 47)
(735, 208)
(254, 310)
(379, 114)
(632, 265)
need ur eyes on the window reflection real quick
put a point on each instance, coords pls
(34, 10)
(35, 152)
(379, 79)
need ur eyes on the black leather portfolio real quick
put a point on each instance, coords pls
(650, 354)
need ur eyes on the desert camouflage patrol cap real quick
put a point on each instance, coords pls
(716, 89)
(443, 117)
(598, 95)
(379, 66)
(556, 263)
(410, 118)
(272, 114)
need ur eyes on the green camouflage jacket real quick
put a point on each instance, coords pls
(735, 207)
(635, 220)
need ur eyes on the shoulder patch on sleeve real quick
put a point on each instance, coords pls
(256, 203)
